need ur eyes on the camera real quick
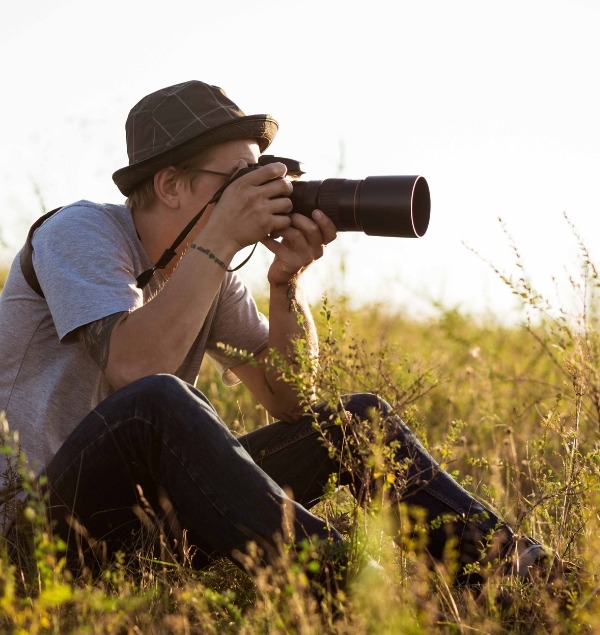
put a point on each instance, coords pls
(378, 206)
(396, 206)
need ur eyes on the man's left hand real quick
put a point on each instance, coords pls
(301, 244)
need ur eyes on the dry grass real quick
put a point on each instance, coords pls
(512, 412)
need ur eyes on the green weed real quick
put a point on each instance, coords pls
(513, 413)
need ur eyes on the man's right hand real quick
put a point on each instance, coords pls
(254, 206)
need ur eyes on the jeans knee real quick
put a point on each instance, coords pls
(160, 384)
(379, 416)
(161, 404)
(164, 389)
(366, 405)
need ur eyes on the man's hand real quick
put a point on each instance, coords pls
(254, 206)
(301, 244)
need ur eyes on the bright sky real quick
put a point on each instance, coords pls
(496, 104)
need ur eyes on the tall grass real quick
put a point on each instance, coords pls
(512, 412)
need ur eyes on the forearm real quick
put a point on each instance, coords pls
(156, 337)
(290, 320)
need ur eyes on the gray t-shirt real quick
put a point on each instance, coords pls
(87, 257)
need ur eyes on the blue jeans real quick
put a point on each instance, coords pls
(159, 445)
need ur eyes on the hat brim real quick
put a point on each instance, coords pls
(261, 128)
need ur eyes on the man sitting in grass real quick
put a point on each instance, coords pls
(99, 364)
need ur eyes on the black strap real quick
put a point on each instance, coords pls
(26, 258)
(295, 168)
(168, 254)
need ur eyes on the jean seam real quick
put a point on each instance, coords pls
(270, 450)
(457, 508)
(465, 513)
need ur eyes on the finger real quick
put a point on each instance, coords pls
(292, 245)
(277, 187)
(278, 224)
(305, 246)
(264, 173)
(271, 244)
(272, 195)
(315, 236)
(293, 260)
(277, 207)
(293, 240)
(327, 226)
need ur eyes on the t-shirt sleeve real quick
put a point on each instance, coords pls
(85, 267)
(237, 323)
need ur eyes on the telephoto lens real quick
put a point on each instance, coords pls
(378, 205)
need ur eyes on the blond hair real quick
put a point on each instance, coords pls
(143, 194)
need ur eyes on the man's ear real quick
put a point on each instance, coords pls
(166, 186)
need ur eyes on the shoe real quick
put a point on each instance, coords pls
(529, 560)
(371, 573)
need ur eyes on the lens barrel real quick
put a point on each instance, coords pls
(378, 205)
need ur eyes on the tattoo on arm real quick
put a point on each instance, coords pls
(291, 296)
(96, 337)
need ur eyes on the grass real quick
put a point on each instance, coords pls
(512, 412)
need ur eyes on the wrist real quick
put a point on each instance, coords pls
(222, 247)
(288, 293)
(285, 287)
(209, 254)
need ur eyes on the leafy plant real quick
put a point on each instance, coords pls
(512, 412)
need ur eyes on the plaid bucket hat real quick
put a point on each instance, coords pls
(174, 123)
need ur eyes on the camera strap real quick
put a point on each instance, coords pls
(168, 254)
(294, 168)
(26, 258)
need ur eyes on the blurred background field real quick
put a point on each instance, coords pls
(493, 103)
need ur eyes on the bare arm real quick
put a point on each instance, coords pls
(96, 337)
(289, 319)
(289, 314)
(156, 337)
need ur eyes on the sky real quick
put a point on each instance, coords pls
(496, 104)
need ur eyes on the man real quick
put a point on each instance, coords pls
(98, 373)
